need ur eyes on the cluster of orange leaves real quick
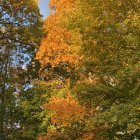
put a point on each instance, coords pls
(86, 136)
(61, 4)
(64, 110)
(55, 47)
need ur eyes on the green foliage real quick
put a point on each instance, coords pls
(110, 57)
(18, 39)
(31, 114)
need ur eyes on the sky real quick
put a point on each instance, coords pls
(44, 9)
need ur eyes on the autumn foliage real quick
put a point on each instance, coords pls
(56, 46)
(64, 110)
(84, 81)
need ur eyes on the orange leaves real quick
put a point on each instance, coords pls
(87, 136)
(64, 110)
(61, 4)
(56, 47)
(55, 52)
(42, 138)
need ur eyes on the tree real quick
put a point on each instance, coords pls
(108, 48)
(110, 44)
(18, 39)
(34, 120)
(65, 116)
(56, 46)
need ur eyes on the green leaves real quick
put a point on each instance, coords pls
(110, 52)
(18, 39)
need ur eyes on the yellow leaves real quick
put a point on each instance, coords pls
(65, 110)
(133, 19)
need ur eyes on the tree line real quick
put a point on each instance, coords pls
(73, 76)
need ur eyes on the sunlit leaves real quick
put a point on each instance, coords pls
(57, 46)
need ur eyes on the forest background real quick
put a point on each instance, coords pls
(72, 76)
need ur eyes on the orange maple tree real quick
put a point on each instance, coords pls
(56, 46)
(64, 110)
